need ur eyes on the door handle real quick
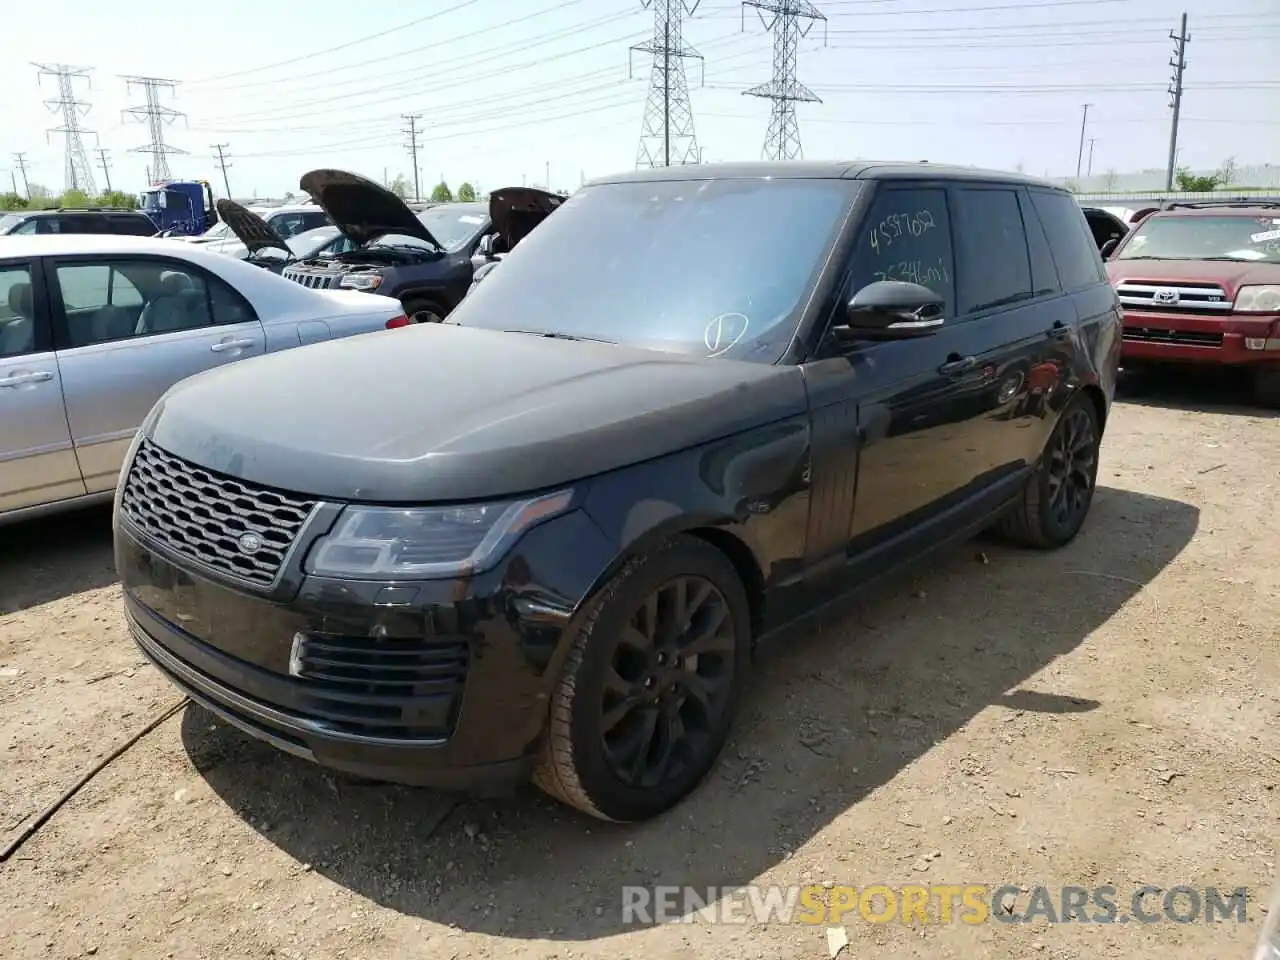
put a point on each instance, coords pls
(222, 346)
(955, 365)
(1059, 330)
(22, 379)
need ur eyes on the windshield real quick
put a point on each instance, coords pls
(1232, 237)
(217, 232)
(10, 220)
(309, 242)
(454, 224)
(716, 268)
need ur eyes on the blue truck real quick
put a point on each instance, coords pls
(180, 207)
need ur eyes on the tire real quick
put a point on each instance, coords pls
(581, 756)
(1266, 386)
(1043, 518)
(423, 311)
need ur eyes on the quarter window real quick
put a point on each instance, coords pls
(906, 236)
(105, 301)
(1074, 251)
(994, 265)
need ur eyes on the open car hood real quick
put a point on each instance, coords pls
(361, 209)
(515, 211)
(250, 229)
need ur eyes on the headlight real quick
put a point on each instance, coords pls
(1261, 298)
(368, 282)
(421, 543)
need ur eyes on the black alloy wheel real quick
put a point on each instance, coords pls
(650, 684)
(1056, 500)
(667, 685)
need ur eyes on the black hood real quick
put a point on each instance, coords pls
(459, 413)
(254, 232)
(361, 209)
(515, 211)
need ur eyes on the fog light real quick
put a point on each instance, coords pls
(1255, 343)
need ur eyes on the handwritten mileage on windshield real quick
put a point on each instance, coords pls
(899, 226)
(724, 333)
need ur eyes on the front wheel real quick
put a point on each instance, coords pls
(1053, 505)
(423, 311)
(650, 686)
(1266, 386)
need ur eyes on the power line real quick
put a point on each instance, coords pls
(78, 173)
(782, 140)
(1179, 65)
(157, 117)
(412, 133)
(668, 114)
(106, 166)
(21, 160)
(221, 148)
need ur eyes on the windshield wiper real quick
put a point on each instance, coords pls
(559, 335)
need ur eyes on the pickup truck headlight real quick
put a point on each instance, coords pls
(1259, 298)
(368, 282)
(424, 543)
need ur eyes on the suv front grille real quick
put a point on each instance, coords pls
(206, 516)
(376, 686)
(1185, 338)
(1174, 297)
(316, 281)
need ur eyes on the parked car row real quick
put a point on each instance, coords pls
(545, 537)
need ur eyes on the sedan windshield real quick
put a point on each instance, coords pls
(714, 268)
(1242, 237)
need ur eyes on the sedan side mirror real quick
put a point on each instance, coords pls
(892, 310)
(1109, 247)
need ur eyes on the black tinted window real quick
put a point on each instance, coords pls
(132, 226)
(906, 236)
(1074, 251)
(994, 266)
(1044, 276)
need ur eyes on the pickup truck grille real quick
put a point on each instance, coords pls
(308, 278)
(230, 526)
(1174, 297)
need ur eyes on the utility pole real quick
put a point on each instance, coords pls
(222, 162)
(1084, 120)
(782, 139)
(412, 133)
(106, 166)
(666, 133)
(548, 183)
(21, 160)
(13, 179)
(1089, 169)
(79, 173)
(157, 117)
(1179, 64)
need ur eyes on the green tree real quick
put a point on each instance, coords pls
(1190, 183)
(399, 186)
(12, 201)
(441, 193)
(118, 198)
(466, 192)
(74, 199)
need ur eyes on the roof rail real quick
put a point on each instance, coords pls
(1209, 204)
(82, 210)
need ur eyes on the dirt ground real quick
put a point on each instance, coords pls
(1104, 714)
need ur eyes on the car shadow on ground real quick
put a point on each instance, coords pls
(54, 557)
(1207, 390)
(835, 711)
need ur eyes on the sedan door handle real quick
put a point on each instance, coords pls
(957, 365)
(1060, 330)
(22, 379)
(222, 346)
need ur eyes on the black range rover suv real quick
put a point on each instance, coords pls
(694, 404)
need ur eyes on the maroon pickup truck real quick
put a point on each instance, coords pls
(1200, 284)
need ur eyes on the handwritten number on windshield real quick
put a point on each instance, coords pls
(724, 333)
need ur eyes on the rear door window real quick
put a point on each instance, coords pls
(1074, 251)
(993, 264)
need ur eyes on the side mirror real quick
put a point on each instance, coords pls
(1109, 247)
(485, 249)
(892, 310)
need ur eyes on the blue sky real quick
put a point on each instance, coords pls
(508, 91)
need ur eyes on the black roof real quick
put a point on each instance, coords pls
(47, 210)
(825, 170)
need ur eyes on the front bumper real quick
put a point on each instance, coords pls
(441, 683)
(1192, 338)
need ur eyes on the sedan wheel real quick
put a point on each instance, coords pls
(651, 685)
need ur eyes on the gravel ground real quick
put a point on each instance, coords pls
(1104, 714)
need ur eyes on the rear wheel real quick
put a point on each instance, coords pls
(1266, 386)
(651, 684)
(1053, 505)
